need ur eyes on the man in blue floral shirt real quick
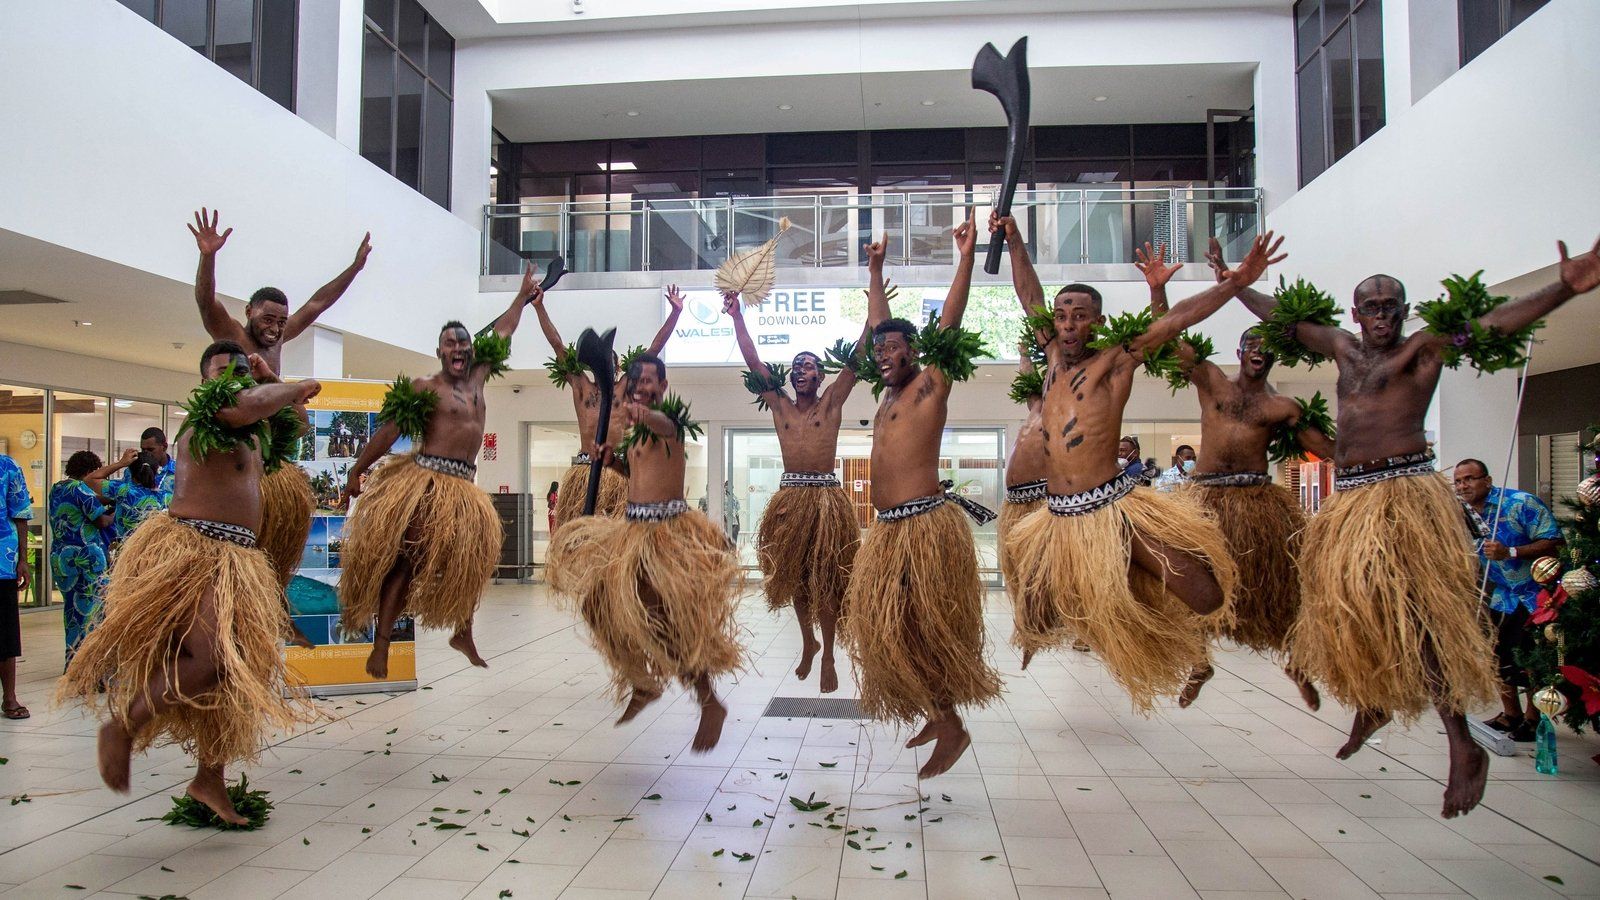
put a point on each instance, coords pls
(154, 442)
(17, 508)
(1518, 529)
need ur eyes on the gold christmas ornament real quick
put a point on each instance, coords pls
(1552, 633)
(1550, 701)
(1546, 569)
(1577, 581)
(752, 273)
(1589, 491)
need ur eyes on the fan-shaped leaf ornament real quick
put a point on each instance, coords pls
(752, 273)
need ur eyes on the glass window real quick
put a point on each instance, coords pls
(145, 8)
(436, 147)
(129, 419)
(405, 115)
(441, 56)
(276, 59)
(377, 103)
(1485, 21)
(1075, 141)
(1169, 140)
(1341, 92)
(411, 31)
(733, 150)
(408, 125)
(1369, 70)
(809, 147)
(1307, 28)
(918, 145)
(655, 154)
(233, 34)
(187, 21)
(1335, 111)
(1313, 141)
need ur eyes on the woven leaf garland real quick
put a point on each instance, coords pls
(752, 273)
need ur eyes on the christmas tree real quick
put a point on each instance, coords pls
(1565, 650)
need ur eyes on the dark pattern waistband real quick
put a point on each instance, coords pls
(808, 479)
(220, 531)
(1230, 479)
(980, 514)
(656, 512)
(1085, 502)
(1028, 492)
(447, 466)
(1362, 474)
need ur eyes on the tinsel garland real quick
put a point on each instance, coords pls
(407, 408)
(1285, 443)
(674, 408)
(773, 377)
(1297, 303)
(1455, 316)
(492, 350)
(564, 365)
(1027, 386)
(1177, 374)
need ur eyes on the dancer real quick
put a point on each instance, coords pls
(913, 614)
(188, 650)
(565, 370)
(425, 539)
(287, 501)
(808, 535)
(1389, 618)
(657, 587)
(1036, 623)
(1243, 422)
(1133, 571)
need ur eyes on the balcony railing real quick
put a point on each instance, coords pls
(1062, 227)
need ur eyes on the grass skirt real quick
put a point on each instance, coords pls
(913, 618)
(1149, 639)
(806, 546)
(156, 590)
(1036, 621)
(453, 546)
(1386, 570)
(1262, 525)
(659, 597)
(287, 506)
(574, 486)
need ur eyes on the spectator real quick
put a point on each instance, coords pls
(79, 528)
(550, 501)
(135, 496)
(154, 442)
(730, 512)
(1128, 456)
(17, 507)
(1518, 530)
(1178, 475)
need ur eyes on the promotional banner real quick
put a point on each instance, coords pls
(343, 418)
(813, 318)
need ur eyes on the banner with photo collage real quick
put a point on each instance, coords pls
(343, 418)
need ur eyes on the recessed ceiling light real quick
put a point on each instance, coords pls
(1101, 99)
(785, 106)
(124, 404)
(927, 103)
(81, 324)
(633, 113)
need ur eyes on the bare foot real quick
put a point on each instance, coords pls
(1191, 690)
(378, 660)
(462, 642)
(115, 748)
(928, 733)
(828, 680)
(953, 741)
(637, 703)
(1308, 691)
(1367, 723)
(209, 788)
(297, 638)
(1469, 771)
(712, 715)
(807, 652)
(1027, 657)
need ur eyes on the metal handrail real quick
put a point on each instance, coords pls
(723, 212)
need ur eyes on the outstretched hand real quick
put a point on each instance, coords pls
(205, 234)
(260, 370)
(876, 251)
(966, 235)
(675, 297)
(308, 389)
(731, 304)
(1581, 273)
(1006, 225)
(362, 251)
(530, 290)
(1256, 261)
(128, 456)
(1152, 262)
(1214, 260)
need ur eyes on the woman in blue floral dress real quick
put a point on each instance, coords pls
(135, 497)
(78, 533)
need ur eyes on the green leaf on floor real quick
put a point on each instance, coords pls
(987, 858)
(252, 805)
(296, 772)
(565, 817)
(505, 893)
(520, 833)
(165, 869)
(744, 857)
(708, 817)
(366, 831)
(1554, 879)
(757, 823)
(624, 819)
(900, 874)
(810, 804)
(877, 868)
(447, 826)
(305, 842)
(481, 847)
(828, 765)
(852, 845)
(392, 730)
(21, 798)
(653, 797)
(439, 778)
(718, 852)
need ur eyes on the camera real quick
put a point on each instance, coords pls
(516, 389)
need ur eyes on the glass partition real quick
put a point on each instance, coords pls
(129, 419)
(25, 437)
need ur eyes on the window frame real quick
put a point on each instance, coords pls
(257, 10)
(384, 33)
(1319, 57)
(1503, 27)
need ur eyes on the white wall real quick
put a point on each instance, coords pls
(21, 363)
(116, 132)
(1262, 38)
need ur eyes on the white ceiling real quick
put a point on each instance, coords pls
(1568, 336)
(1060, 95)
(473, 19)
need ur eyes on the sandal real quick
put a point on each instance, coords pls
(17, 711)
(1503, 722)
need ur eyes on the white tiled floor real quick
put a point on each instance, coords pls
(1065, 794)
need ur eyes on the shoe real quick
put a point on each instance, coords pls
(1502, 722)
(1523, 733)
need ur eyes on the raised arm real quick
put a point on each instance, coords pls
(96, 479)
(877, 298)
(1023, 277)
(1157, 272)
(675, 300)
(529, 292)
(1579, 275)
(741, 332)
(654, 420)
(1323, 339)
(263, 400)
(325, 296)
(213, 315)
(551, 334)
(1196, 309)
(955, 302)
(376, 447)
